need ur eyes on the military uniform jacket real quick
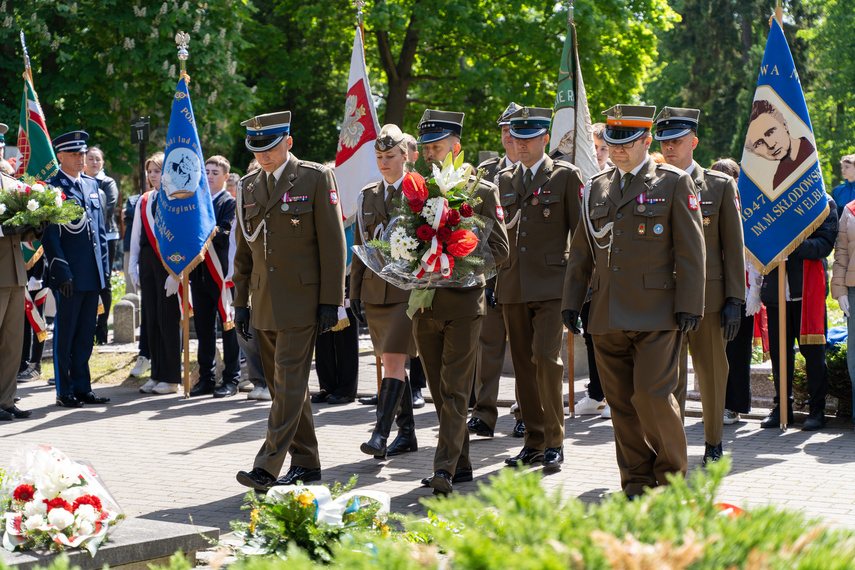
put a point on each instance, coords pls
(722, 222)
(454, 303)
(13, 270)
(366, 285)
(539, 223)
(657, 260)
(78, 250)
(290, 255)
(492, 167)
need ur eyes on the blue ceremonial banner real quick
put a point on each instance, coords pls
(185, 218)
(782, 195)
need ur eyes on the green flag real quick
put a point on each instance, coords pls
(37, 156)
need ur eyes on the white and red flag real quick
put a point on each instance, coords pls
(355, 165)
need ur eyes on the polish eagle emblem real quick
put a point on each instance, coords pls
(351, 128)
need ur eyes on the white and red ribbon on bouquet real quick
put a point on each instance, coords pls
(36, 320)
(434, 259)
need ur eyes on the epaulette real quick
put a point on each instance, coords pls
(252, 173)
(602, 172)
(507, 168)
(370, 186)
(483, 181)
(490, 162)
(716, 174)
(84, 175)
(315, 165)
(564, 164)
(669, 168)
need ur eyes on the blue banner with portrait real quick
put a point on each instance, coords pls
(185, 218)
(781, 190)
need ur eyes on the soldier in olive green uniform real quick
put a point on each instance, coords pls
(385, 305)
(676, 130)
(640, 249)
(493, 339)
(447, 333)
(541, 202)
(289, 267)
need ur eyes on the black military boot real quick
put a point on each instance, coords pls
(773, 420)
(406, 439)
(388, 402)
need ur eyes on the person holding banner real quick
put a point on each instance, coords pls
(641, 250)
(447, 333)
(540, 198)
(77, 262)
(212, 292)
(289, 281)
(385, 306)
(676, 131)
(157, 290)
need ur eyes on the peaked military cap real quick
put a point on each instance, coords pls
(3, 128)
(437, 125)
(390, 136)
(263, 132)
(505, 119)
(530, 122)
(628, 123)
(676, 122)
(75, 141)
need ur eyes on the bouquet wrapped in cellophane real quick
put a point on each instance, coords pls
(51, 501)
(434, 238)
(31, 202)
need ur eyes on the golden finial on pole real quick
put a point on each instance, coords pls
(183, 40)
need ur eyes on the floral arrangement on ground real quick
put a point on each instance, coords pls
(53, 502)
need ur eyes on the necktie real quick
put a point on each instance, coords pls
(390, 191)
(527, 178)
(271, 184)
(626, 180)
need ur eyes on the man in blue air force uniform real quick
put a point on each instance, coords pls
(77, 257)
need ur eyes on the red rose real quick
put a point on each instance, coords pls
(24, 493)
(466, 210)
(87, 500)
(57, 503)
(27, 189)
(425, 233)
(414, 186)
(444, 233)
(453, 218)
(64, 197)
(416, 205)
(461, 243)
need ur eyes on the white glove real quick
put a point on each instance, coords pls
(753, 304)
(34, 284)
(843, 301)
(135, 279)
(171, 286)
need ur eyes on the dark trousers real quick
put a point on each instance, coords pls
(106, 293)
(417, 374)
(337, 360)
(738, 395)
(145, 350)
(814, 355)
(595, 388)
(74, 330)
(162, 320)
(33, 347)
(206, 298)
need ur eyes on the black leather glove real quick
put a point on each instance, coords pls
(571, 321)
(688, 322)
(731, 317)
(242, 321)
(358, 310)
(327, 318)
(40, 231)
(66, 288)
(490, 297)
(15, 230)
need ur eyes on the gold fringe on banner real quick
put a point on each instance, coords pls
(196, 260)
(341, 325)
(41, 336)
(36, 256)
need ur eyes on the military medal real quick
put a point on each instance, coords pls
(546, 212)
(706, 221)
(641, 229)
(534, 201)
(641, 208)
(295, 221)
(657, 229)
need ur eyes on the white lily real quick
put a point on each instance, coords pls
(453, 174)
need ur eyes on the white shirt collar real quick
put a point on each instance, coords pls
(214, 197)
(277, 174)
(635, 170)
(691, 168)
(534, 168)
(396, 184)
(70, 177)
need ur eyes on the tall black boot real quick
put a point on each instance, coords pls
(406, 439)
(388, 402)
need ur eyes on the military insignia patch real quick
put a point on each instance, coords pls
(693, 202)
(706, 221)
(500, 213)
(333, 197)
(657, 229)
(295, 221)
(581, 191)
(642, 229)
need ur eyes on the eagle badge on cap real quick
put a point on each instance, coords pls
(666, 113)
(525, 113)
(618, 113)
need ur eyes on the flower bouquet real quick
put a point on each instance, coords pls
(54, 502)
(434, 238)
(32, 203)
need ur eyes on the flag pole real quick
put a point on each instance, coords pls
(28, 74)
(783, 373)
(571, 338)
(182, 39)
